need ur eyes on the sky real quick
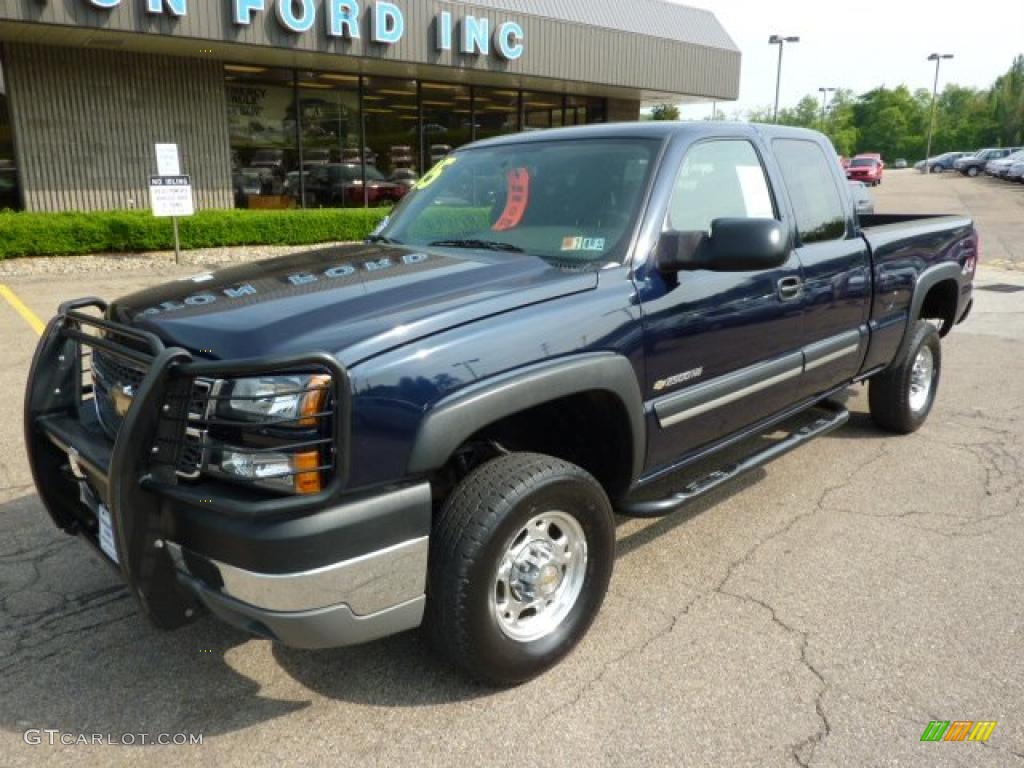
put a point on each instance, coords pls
(865, 44)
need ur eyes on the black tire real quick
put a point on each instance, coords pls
(890, 392)
(972, 172)
(479, 522)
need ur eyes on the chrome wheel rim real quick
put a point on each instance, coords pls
(921, 380)
(540, 576)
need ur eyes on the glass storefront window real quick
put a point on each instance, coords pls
(10, 194)
(264, 141)
(584, 110)
(392, 123)
(302, 138)
(497, 112)
(447, 120)
(329, 126)
(391, 120)
(541, 110)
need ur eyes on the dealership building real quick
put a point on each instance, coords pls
(273, 102)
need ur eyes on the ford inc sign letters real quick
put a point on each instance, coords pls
(383, 22)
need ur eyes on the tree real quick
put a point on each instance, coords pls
(1008, 104)
(896, 122)
(806, 114)
(839, 123)
(665, 112)
(760, 115)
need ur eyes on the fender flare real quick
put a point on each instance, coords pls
(928, 279)
(457, 417)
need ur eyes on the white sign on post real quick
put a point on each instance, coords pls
(168, 162)
(171, 195)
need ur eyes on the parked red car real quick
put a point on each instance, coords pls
(866, 168)
(341, 184)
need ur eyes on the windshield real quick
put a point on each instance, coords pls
(863, 162)
(570, 202)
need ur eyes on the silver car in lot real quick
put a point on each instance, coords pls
(1000, 168)
(862, 199)
(1016, 172)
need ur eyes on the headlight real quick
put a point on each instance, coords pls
(280, 470)
(290, 401)
(271, 432)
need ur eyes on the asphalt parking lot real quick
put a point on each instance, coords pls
(820, 612)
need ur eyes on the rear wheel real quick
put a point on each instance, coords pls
(520, 559)
(902, 396)
(972, 172)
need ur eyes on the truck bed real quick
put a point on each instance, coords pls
(927, 238)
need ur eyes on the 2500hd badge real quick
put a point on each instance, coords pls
(438, 425)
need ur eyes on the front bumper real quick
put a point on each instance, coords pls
(345, 603)
(326, 570)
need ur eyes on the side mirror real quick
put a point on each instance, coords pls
(734, 245)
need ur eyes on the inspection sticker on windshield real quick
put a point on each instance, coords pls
(583, 243)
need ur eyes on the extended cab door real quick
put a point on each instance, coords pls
(722, 349)
(836, 264)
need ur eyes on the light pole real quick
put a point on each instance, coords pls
(937, 58)
(780, 41)
(824, 99)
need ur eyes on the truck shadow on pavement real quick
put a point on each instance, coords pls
(77, 655)
(403, 672)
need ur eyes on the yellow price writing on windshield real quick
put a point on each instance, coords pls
(435, 173)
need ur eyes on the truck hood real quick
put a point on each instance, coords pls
(353, 301)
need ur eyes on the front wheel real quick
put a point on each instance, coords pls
(520, 559)
(972, 172)
(902, 396)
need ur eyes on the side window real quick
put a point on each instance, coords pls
(817, 205)
(717, 180)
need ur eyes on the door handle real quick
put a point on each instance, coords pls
(790, 288)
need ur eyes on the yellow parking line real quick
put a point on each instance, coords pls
(27, 314)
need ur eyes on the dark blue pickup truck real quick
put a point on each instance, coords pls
(438, 426)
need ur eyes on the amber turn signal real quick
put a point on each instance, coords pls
(307, 472)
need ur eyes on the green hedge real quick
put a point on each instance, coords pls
(66, 234)
(442, 223)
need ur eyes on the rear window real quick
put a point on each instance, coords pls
(819, 209)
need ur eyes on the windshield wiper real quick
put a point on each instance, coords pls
(383, 239)
(482, 245)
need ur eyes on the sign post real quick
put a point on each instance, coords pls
(171, 196)
(170, 193)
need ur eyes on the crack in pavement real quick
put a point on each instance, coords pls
(803, 751)
(1002, 476)
(633, 650)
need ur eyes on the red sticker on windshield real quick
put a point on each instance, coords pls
(518, 199)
